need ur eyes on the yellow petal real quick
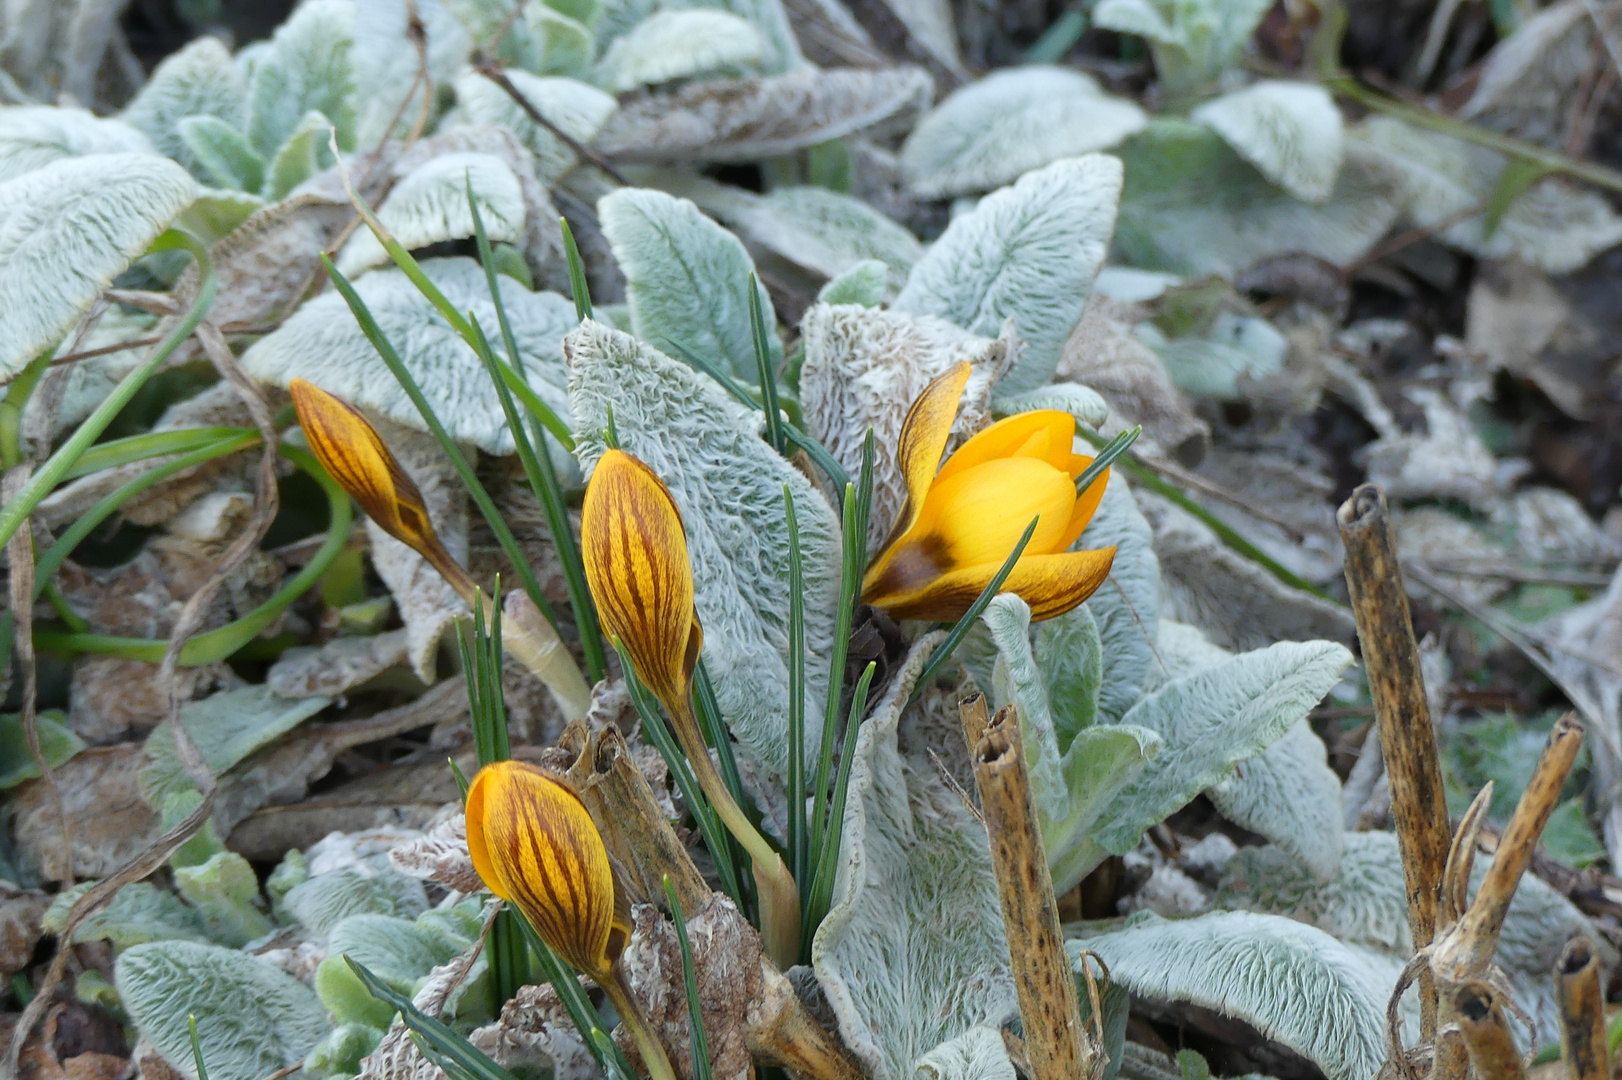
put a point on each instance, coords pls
(535, 846)
(1086, 503)
(635, 554)
(1050, 584)
(1016, 436)
(923, 439)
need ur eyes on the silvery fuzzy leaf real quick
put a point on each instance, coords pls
(306, 69)
(977, 1054)
(1081, 402)
(199, 80)
(430, 205)
(1127, 606)
(1184, 649)
(385, 63)
(322, 342)
(560, 45)
(1212, 365)
(1290, 131)
(32, 136)
(1194, 41)
(904, 835)
(1293, 983)
(1554, 225)
(67, 229)
(728, 484)
(1214, 719)
(993, 131)
(821, 230)
(575, 107)
(679, 45)
(863, 367)
(252, 1019)
(322, 902)
(224, 891)
(92, 379)
(1527, 83)
(306, 152)
(931, 26)
(221, 152)
(780, 49)
(864, 284)
(686, 279)
(1191, 205)
(1070, 655)
(722, 120)
(1290, 796)
(137, 913)
(1028, 251)
(226, 728)
(397, 950)
(1076, 782)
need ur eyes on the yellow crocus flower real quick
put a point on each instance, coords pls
(960, 523)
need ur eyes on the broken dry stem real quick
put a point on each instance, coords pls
(1486, 1033)
(782, 1033)
(975, 716)
(1057, 1045)
(1391, 656)
(1582, 1012)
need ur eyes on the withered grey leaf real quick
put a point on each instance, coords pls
(338, 666)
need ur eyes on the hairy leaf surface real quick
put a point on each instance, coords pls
(578, 109)
(226, 728)
(678, 45)
(430, 205)
(306, 68)
(35, 135)
(1291, 132)
(199, 80)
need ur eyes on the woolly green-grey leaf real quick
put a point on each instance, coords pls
(686, 279)
(780, 48)
(306, 69)
(395, 950)
(66, 230)
(912, 953)
(305, 153)
(1029, 251)
(1291, 796)
(865, 284)
(977, 1054)
(252, 1019)
(1127, 606)
(35, 135)
(226, 728)
(1191, 205)
(199, 80)
(678, 45)
(430, 206)
(728, 484)
(577, 109)
(324, 901)
(1081, 402)
(322, 342)
(1293, 983)
(137, 913)
(560, 45)
(1216, 364)
(1194, 41)
(389, 95)
(225, 892)
(1070, 655)
(222, 153)
(991, 132)
(57, 743)
(1290, 131)
(1212, 720)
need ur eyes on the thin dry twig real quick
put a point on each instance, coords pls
(1582, 1012)
(1486, 1033)
(492, 71)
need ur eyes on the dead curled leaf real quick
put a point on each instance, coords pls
(441, 856)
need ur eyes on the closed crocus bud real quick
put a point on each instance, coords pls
(961, 522)
(535, 846)
(635, 554)
(357, 458)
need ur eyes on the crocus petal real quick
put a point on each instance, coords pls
(1006, 438)
(923, 439)
(534, 845)
(1086, 504)
(979, 515)
(635, 555)
(1050, 584)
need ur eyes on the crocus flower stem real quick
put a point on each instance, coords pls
(636, 1025)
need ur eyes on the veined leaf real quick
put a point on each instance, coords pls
(137, 913)
(199, 80)
(995, 130)
(575, 107)
(304, 154)
(430, 205)
(305, 69)
(1127, 606)
(1290, 795)
(67, 229)
(1214, 363)
(222, 153)
(678, 45)
(32, 136)
(1030, 252)
(57, 743)
(1194, 41)
(561, 45)
(226, 728)
(977, 1054)
(1291, 132)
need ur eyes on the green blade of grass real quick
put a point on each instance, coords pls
(577, 272)
(799, 858)
(153, 444)
(196, 1047)
(1106, 457)
(15, 403)
(435, 1033)
(700, 1042)
(575, 1000)
(763, 362)
(713, 727)
(464, 471)
(822, 882)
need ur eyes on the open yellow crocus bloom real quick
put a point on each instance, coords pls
(960, 523)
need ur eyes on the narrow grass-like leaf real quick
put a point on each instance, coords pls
(464, 470)
(1112, 450)
(480, 649)
(459, 776)
(577, 272)
(955, 636)
(709, 826)
(435, 1034)
(581, 1011)
(768, 377)
(18, 392)
(699, 1042)
(798, 856)
(822, 884)
(153, 444)
(196, 1047)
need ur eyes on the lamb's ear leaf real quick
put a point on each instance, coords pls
(389, 92)
(672, 45)
(305, 153)
(32, 136)
(578, 109)
(1293, 983)
(977, 1054)
(993, 131)
(430, 205)
(57, 743)
(1291, 131)
(1027, 252)
(686, 278)
(692, 434)
(305, 68)
(137, 913)
(222, 152)
(69, 228)
(1290, 795)
(226, 727)
(199, 80)
(1213, 363)
(252, 1019)
(1127, 606)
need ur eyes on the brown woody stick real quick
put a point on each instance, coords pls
(1582, 1012)
(975, 716)
(1487, 1037)
(782, 1033)
(1391, 655)
(1055, 1041)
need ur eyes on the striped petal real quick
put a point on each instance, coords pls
(923, 439)
(1050, 584)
